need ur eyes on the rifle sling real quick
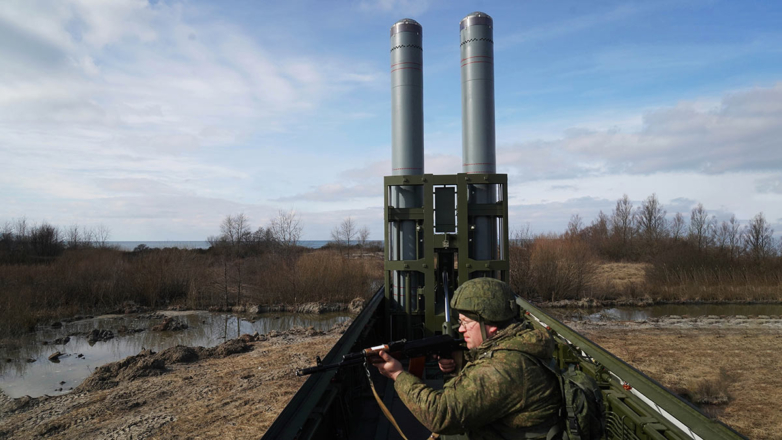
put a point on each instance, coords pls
(385, 410)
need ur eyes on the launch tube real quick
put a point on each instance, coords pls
(476, 34)
(407, 142)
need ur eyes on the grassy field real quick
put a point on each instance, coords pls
(728, 373)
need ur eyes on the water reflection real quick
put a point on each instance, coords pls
(658, 311)
(20, 377)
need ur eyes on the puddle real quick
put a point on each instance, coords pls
(20, 377)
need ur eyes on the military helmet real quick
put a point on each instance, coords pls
(490, 300)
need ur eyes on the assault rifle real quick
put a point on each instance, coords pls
(441, 345)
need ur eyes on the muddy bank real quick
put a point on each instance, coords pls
(355, 306)
(588, 303)
(141, 312)
(684, 322)
(234, 390)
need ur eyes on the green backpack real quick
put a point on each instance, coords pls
(583, 402)
(586, 416)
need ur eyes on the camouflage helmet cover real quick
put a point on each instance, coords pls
(490, 300)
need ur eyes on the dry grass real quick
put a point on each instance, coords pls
(552, 269)
(734, 367)
(705, 292)
(89, 281)
(621, 277)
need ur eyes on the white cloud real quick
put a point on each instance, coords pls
(772, 184)
(334, 192)
(742, 134)
(103, 104)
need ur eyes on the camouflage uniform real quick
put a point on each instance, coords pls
(499, 394)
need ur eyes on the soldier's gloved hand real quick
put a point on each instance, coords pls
(446, 365)
(388, 366)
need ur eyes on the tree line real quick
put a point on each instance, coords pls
(244, 266)
(691, 256)
(22, 241)
(641, 233)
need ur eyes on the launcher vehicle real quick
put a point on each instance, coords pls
(440, 231)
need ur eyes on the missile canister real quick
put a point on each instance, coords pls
(407, 98)
(407, 145)
(476, 34)
(477, 60)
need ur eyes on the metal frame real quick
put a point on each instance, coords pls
(425, 263)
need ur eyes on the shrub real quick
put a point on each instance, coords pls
(561, 269)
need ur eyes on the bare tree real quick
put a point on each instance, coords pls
(262, 239)
(286, 228)
(73, 237)
(574, 227)
(344, 233)
(734, 237)
(102, 233)
(720, 238)
(286, 232)
(622, 219)
(650, 218)
(622, 225)
(759, 237)
(678, 225)
(700, 226)
(521, 236)
(363, 236)
(727, 237)
(235, 230)
(6, 235)
(597, 231)
(87, 237)
(21, 228)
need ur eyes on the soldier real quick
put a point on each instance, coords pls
(502, 392)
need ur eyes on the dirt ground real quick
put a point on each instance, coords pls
(733, 366)
(228, 392)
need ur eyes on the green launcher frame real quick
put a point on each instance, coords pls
(441, 240)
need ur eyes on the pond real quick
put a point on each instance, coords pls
(26, 370)
(631, 313)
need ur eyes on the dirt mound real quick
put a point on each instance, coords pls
(340, 328)
(178, 354)
(170, 324)
(99, 335)
(312, 308)
(319, 307)
(10, 406)
(356, 305)
(224, 350)
(110, 375)
(148, 363)
(301, 331)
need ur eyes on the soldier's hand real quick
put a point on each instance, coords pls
(446, 365)
(388, 365)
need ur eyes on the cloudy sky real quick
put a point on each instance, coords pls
(159, 118)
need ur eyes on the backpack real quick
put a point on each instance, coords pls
(582, 402)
